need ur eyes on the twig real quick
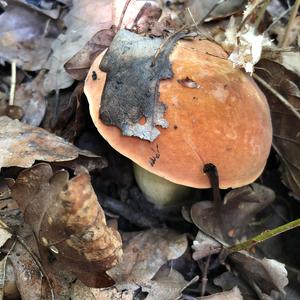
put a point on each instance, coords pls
(13, 82)
(279, 96)
(123, 14)
(277, 19)
(193, 19)
(204, 276)
(135, 217)
(265, 235)
(163, 44)
(284, 42)
(184, 27)
(261, 13)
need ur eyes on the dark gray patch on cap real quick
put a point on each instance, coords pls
(131, 88)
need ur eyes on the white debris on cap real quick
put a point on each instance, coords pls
(245, 46)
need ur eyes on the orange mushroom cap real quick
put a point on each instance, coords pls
(224, 120)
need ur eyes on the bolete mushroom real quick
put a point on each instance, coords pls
(216, 114)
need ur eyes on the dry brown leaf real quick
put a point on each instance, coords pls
(31, 96)
(80, 63)
(167, 286)
(240, 206)
(9, 290)
(28, 274)
(234, 294)
(268, 274)
(199, 9)
(286, 126)
(132, 11)
(22, 145)
(67, 117)
(145, 253)
(291, 60)
(228, 280)
(82, 22)
(67, 219)
(25, 36)
(80, 292)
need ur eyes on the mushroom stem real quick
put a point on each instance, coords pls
(158, 190)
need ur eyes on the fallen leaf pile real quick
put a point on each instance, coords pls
(73, 221)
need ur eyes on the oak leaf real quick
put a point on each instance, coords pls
(67, 219)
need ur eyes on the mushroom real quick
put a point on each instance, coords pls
(216, 114)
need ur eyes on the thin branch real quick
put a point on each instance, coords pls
(265, 235)
(13, 82)
(261, 13)
(277, 19)
(279, 96)
(123, 14)
(184, 27)
(285, 41)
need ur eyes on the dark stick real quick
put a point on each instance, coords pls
(135, 217)
(212, 172)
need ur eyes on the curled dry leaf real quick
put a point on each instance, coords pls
(268, 274)
(24, 37)
(83, 21)
(240, 206)
(200, 9)
(145, 253)
(79, 64)
(286, 126)
(66, 217)
(22, 145)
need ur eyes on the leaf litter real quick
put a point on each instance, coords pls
(53, 224)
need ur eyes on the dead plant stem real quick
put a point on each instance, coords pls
(284, 43)
(261, 13)
(13, 82)
(265, 235)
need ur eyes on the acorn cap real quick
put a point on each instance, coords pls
(216, 114)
